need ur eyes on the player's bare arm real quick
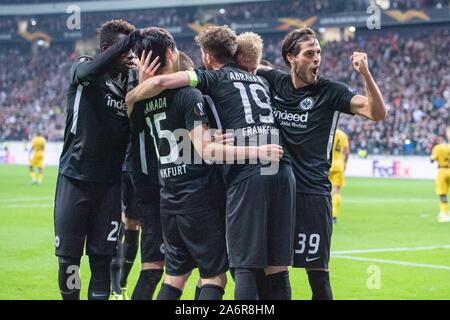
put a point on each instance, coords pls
(372, 105)
(346, 155)
(154, 86)
(211, 150)
(106, 60)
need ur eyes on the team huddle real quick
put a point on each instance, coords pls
(224, 167)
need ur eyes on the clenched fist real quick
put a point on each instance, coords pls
(359, 60)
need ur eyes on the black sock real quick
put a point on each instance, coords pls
(116, 263)
(261, 284)
(115, 275)
(278, 286)
(245, 287)
(146, 284)
(169, 292)
(69, 278)
(320, 285)
(211, 292)
(130, 249)
(99, 285)
(197, 292)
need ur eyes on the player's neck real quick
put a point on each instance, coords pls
(215, 65)
(297, 82)
(114, 74)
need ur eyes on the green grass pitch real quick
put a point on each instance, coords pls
(386, 245)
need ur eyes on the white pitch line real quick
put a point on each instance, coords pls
(24, 199)
(37, 205)
(445, 246)
(387, 200)
(402, 263)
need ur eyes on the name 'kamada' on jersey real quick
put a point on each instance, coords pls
(155, 104)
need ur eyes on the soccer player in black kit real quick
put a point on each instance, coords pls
(260, 207)
(189, 203)
(307, 109)
(87, 199)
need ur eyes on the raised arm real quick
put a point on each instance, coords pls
(372, 105)
(154, 86)
(88, 69)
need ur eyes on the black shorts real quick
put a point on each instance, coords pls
(86, 211)
(128, 195)
(194, 240)
(314, 226)
(147, 206)
(260, 220)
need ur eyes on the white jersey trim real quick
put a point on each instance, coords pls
(76, 108)
(213, 108)
(332, 132)
(142, 153)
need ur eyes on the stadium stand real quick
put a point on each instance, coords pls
(32, 86)
(171, 17)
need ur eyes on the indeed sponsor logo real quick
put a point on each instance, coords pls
(288, 116)
(116, 104)
(389, 170)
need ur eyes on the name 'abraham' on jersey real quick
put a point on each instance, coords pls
(308, 118)
(231, 87)
(185, 187)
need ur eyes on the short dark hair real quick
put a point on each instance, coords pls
(158, 40)
(110, 29)
(186, 62)
(220, 42)
(293, 40)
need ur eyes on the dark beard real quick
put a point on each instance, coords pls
(299, 73)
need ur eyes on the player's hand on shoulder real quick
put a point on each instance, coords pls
(147, 68)
(270, 152)
(359, 61)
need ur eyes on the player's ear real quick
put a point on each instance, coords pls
(103, 47)
(208, 58)
(172, 58)
(290, 57)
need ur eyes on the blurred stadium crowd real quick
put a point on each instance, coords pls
(411, 67)
(217, 14)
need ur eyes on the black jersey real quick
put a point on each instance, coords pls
(307, 118)
(143, 153)
(186, 187)
(243, 105)
(97, 129)
(128, 165)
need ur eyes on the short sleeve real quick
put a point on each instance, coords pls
(345, 143)
(273, 77)
(435, 153)
(341, 96)
(193, 106)
(137, 117)
(207, 81)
